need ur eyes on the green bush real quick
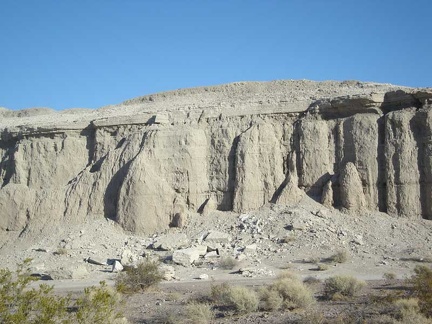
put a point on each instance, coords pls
(146, 275)
(21, 304)
(342, 286)
(422, 288)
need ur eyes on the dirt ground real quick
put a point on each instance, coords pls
(263, 243)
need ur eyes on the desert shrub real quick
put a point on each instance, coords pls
(339, 257)
(389, 276)
(342, 286)
(422, 288)
(243, 299)
(146, 275)
(322, 267)
(98, 305)
(198, 313)
(227, 263)
(21, 304)
(270, 299)
(61, 251)
(220, 293)
(311, 281)
(286, 292)
(408, 311)
(313, 317)
(287, 275)
(294, 293)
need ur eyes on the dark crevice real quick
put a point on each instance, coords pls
(90, 133)
(381, 181)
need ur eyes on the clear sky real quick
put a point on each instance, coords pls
(90, 53)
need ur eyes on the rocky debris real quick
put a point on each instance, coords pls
(95, 261)
(128, 257)
(217, 237)
(117, 266)
(256, 272)
(203, 276)
(148, 174)
(72, 272)
(186, 257)
(170, 242)
(167, 271)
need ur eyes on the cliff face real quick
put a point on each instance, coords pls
(150, 161)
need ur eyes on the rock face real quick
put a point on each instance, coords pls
(150, 161)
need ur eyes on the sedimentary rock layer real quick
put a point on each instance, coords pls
(150, 161)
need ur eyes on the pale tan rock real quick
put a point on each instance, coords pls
(351, 190)
(152, 161)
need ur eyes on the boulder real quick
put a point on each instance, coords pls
(171, 241)
(186, 257)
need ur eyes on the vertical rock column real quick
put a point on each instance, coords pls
(402, 160)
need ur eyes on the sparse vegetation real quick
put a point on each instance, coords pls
(227, 263)
(339, 257)
(286, 292)
(408, 311)
(199, 313)
(389, 276)
(241, 299)
(341, 287)
(270, 299)
(21, 304)
(61, 251)
(322, 267)
(294, 293)
(422, 288)
(146, 275)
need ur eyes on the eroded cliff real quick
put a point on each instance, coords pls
(150, 161)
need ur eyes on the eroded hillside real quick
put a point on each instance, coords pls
(151, 161)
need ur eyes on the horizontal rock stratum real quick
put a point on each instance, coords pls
(148, 162)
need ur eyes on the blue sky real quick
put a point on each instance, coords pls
(91, 53)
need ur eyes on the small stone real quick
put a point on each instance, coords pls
(117, 266)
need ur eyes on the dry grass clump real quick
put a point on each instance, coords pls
(339, 257)
(241, 299)
(341, 287)
(322, 267)
(227, 263)
(408, 311)
(198, 313)
(286, 292)
(146, 275)
(389, 276)
(270, 299)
